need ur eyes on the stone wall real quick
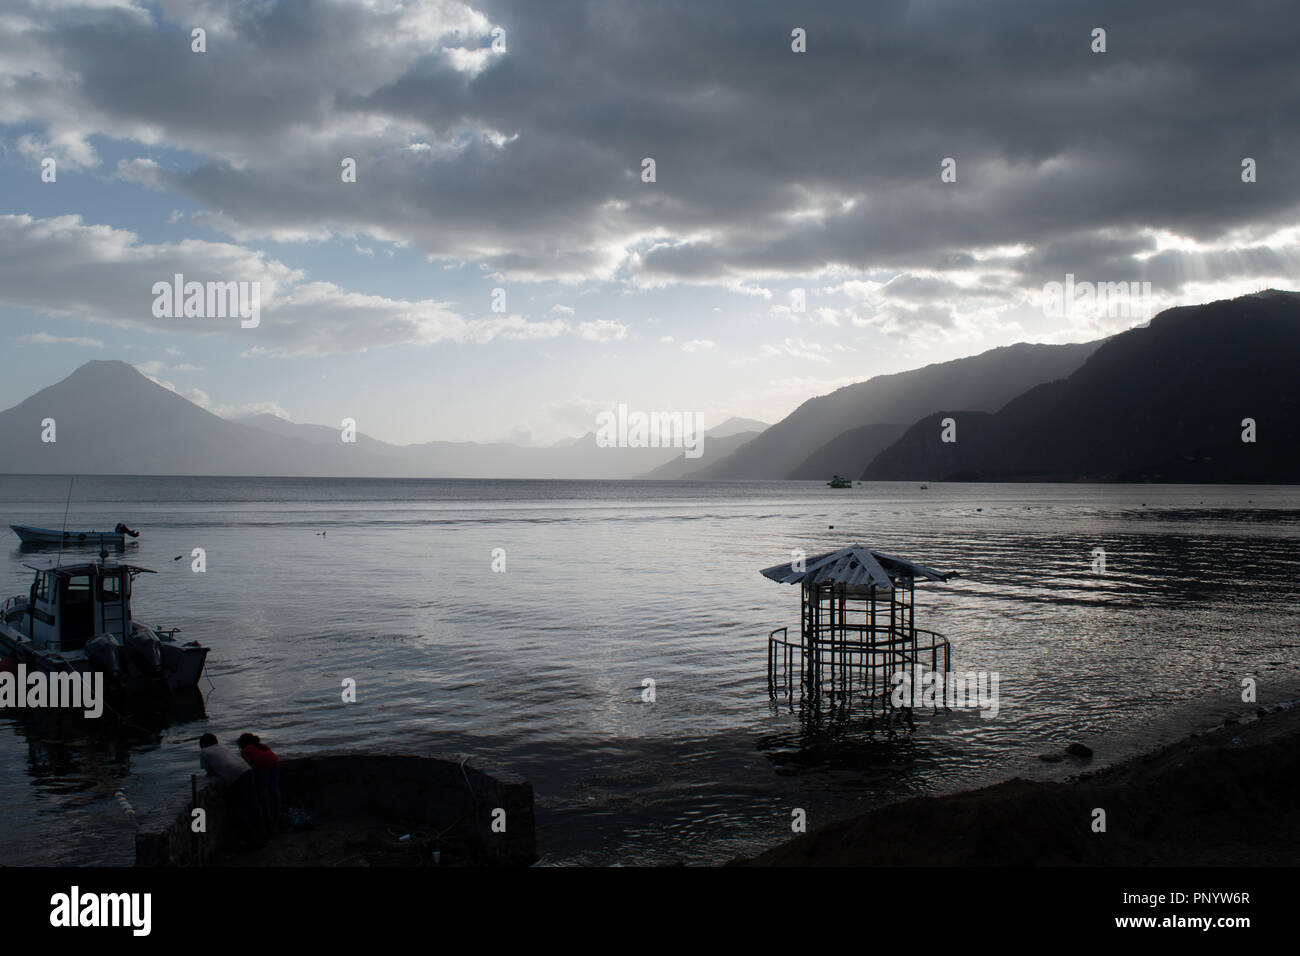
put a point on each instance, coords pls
(436, 793)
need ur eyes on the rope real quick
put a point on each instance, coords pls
(63, 536)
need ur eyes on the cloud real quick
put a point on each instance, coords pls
(157, 367)
(797, 348)
(602, 330)
(770, 164)
(44, 338)
(251, 408)
(803, 387)
(515, 327)
(195, 395)
(576, 413)
(64, 267)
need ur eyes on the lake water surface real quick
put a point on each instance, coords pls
(539, 669)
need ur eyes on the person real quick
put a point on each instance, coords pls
(266, 775)
(239, 782)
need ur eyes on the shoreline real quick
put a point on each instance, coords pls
(1224, 797)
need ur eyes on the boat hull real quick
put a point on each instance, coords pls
(183, 664)
(180, 669)
(29, 535)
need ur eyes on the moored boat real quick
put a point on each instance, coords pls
(29, 535)
(77, 618)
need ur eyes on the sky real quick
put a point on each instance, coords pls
(502, 146)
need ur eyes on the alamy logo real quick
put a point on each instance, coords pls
(208, 300)
(1123, 300)
(630, 429)
(925, 688)
(74, 908)
(39, 690)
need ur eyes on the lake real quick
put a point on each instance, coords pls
(539, 668)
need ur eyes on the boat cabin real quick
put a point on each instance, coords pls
(70, 603)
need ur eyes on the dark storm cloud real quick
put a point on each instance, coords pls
(768, 162)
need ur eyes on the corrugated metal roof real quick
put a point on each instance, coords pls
(83, 565)
(855, 566)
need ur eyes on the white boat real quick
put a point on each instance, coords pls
(30, 535)
(77, 618)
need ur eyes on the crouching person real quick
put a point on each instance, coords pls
(266, 775)
(241, 792)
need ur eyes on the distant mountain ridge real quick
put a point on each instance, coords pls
(715, 449)
(571, 458)
(111, 419)
(827, 431)
(1163, 402)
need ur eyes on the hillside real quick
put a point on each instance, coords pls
(983, 382)
(1164, 402)
(848, 453)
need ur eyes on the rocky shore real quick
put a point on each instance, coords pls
(1226, 797)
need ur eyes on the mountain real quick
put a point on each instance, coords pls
(736, 426)
(715, 449)
(321, 435)
(110, 419)
(720, 441)
(576, 458)
(1164, 402)
(986, 382)
(849, 453)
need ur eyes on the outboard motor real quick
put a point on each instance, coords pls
(105, 655)
(144, 653)
(123, 529)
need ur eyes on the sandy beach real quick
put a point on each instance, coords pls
(1227, 797)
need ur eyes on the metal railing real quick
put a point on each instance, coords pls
(788, 655)
(852, 665)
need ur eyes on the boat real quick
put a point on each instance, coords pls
(30, 535)
(77, 618)
(839, 481)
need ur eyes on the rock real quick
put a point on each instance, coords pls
(1079, 750)
(1050, 758)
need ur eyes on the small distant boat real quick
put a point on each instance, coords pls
(839, 481)
(925, 487)
(76, 618)
(30, 535)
